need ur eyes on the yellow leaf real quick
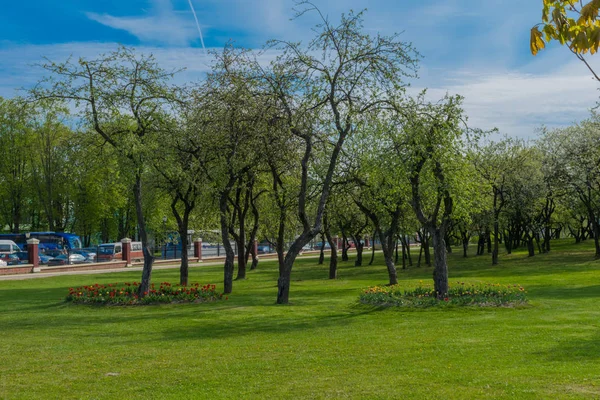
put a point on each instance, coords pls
(536, 42)
(588, 14)
(594, 40)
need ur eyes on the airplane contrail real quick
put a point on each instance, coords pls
(197, 25)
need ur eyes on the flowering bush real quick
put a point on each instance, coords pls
(462, 294)
(127, 294)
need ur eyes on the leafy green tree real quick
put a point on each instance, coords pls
(496, 163)
(575, 162)
(51, 165)
(321, 90)
(15, 168)
(235, 117)
(125, 98)
(429, 141)
(181, 171)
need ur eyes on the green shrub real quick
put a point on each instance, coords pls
(460, 294)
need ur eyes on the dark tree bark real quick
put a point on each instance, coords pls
(359, 253)
(386, 237)
(183, 225)
(359, 245)
(333, 248)
(322, 250)
(372, 249)
(250, 249)
(440, 271)
(345, 247)
(403, 254)
(437, 230)
(530, 246)
(144, 287)
(406, 242)
(465, 236)
(426, 250)
(229, 266)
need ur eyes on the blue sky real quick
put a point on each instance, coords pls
(475, 48)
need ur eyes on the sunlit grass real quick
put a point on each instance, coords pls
(324, 344)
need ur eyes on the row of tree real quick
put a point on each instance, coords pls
(322, 141)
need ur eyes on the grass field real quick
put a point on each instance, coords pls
(322, 345)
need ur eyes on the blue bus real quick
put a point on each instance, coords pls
(48, 240)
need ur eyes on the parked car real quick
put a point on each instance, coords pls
(44, 259)
(52, 253)
(24, 257)
(263, 249)
(90, 256)
(10, 258)
(62, 259)
(319, 244)
(114, 252)
(8, 246)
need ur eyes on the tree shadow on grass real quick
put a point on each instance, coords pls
(275, 324)
(574, 350)
(565, 293)
(246, 311)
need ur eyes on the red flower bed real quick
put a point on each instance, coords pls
(127, 294)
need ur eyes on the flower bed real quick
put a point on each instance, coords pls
(126, 294)
(460, 294)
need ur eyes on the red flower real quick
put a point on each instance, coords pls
(446, 299)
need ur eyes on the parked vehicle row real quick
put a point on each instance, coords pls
(11, 254)
(114, 252)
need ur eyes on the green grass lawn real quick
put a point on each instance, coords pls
(322, 345)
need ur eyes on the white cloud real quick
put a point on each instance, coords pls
(162, 25)
(19, 65)
(519, 102)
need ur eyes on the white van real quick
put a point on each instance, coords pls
(8, 246)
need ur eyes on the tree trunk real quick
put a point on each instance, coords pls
(440, 271)
(254, 258)
(359, 252)
(508, 242)
(283, 284)
(322, 253)
(241, 245)
(184, 268)
(228, 267)
(345, 248)
(596, 230)
(285, 269)
(388, 254)
(403, 254)
(407, 243)
(426, 249)
(496, 239)
(448, 243)
(333, 259)
(144, 287)
(372, 251)
(530, 247)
